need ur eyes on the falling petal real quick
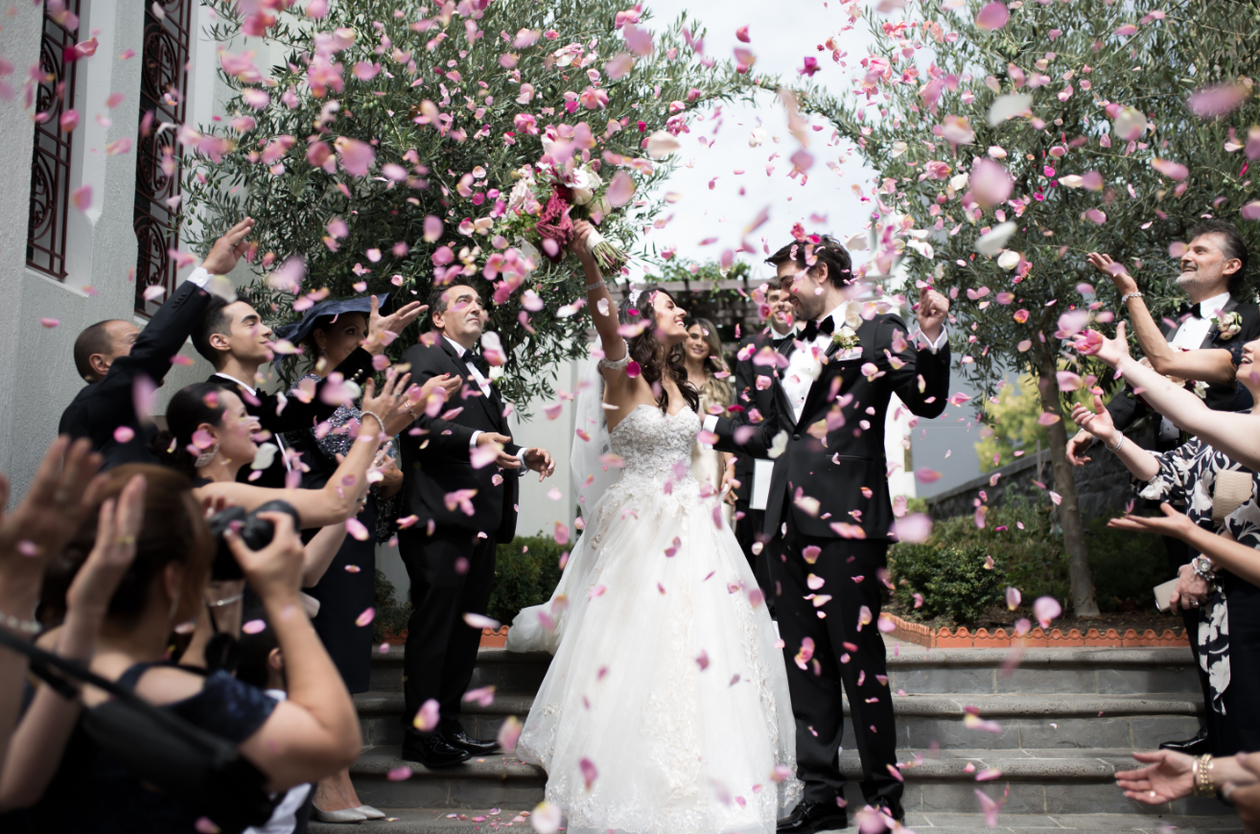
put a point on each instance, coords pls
(366, 617)
(993, 16)
(254, 627)
(428, 717)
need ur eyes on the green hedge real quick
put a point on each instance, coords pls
(948, 569)
(525, 573)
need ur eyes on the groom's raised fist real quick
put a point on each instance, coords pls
(933, 307)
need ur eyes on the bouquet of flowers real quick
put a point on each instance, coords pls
(545, 201)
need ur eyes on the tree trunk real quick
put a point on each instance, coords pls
(1083, 602)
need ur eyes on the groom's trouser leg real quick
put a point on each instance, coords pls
(441, 648)
(862, 673)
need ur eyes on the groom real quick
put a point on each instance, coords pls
(831, 517)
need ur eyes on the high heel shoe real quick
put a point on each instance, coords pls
(370, 812)
(344, 815)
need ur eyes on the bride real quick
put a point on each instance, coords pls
(666, 707)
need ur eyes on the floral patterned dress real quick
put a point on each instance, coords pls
(1187, 475)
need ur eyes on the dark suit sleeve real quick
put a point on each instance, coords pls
(1126, 409)
(297, 415)
(745, 377)
(928, 400)
(445, 436)
(165, 334)
(757, 438)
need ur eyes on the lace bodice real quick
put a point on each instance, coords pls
(651, 443)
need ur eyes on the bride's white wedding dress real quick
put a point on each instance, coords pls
(667, 690)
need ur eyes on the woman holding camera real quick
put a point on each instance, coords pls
(312, 734)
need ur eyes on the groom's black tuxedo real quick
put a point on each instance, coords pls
(830, 516)
(452, 569)
(833, 463)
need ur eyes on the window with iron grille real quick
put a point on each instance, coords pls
(50, 167)
(163, 90)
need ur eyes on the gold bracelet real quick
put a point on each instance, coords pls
(1203, 784)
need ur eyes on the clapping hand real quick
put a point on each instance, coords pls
(383, 330)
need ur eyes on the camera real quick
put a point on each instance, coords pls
(255, 532)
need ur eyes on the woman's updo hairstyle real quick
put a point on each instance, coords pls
(654, 357)
(201, 402)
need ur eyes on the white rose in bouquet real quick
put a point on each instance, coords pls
(520, 197)
(584, 183)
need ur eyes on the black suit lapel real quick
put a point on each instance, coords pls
(493, 407)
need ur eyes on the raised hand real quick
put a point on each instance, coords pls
(1097, 422)
(1123, 281)
(1111, 351)
(1166, 777)
(118, 526)
(392, 404)
(227, 250)
(933, 308)
(59, 497)
(383, 330)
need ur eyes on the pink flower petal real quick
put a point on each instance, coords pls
(1046, 609)
(366, 617)
(254, 627)
(620, 190)
(993, 16)
(428, 716)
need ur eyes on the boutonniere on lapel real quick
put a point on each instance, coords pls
(496, 374)
(1228, 325)
(846, 338)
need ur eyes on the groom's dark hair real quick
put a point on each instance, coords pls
(815, 250)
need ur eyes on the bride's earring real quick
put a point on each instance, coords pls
(207, 456)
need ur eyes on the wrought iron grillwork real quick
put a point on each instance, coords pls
(163, 90)
(50, 168)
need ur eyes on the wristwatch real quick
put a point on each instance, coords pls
(1202, 567)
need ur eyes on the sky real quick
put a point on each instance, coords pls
(709, 204)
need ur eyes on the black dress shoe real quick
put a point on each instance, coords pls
(1196, 746)
(432, 751)
(891, 807)
(460, 740)
(810, 817)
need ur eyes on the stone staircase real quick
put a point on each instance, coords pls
(1064, 721)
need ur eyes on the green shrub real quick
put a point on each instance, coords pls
(525, 573)
(1126, 566)
(390, 615)
(952, 578)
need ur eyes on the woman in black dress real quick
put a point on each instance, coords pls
(327, 335)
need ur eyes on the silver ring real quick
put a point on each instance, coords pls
(1229, 788)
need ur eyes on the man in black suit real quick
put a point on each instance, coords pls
(113, 355)
(233, 338)
(830, 513)
(1213, 269)
(460, 475)
(750, 366)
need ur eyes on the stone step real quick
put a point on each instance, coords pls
(914, 669)
(448, 820)
(1059, 721)
(1033, 781)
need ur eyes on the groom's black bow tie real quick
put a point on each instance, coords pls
(813, 328)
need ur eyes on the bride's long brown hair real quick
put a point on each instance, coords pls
(654, 357)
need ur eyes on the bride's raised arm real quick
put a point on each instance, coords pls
(603, 308)
(1237, 435)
